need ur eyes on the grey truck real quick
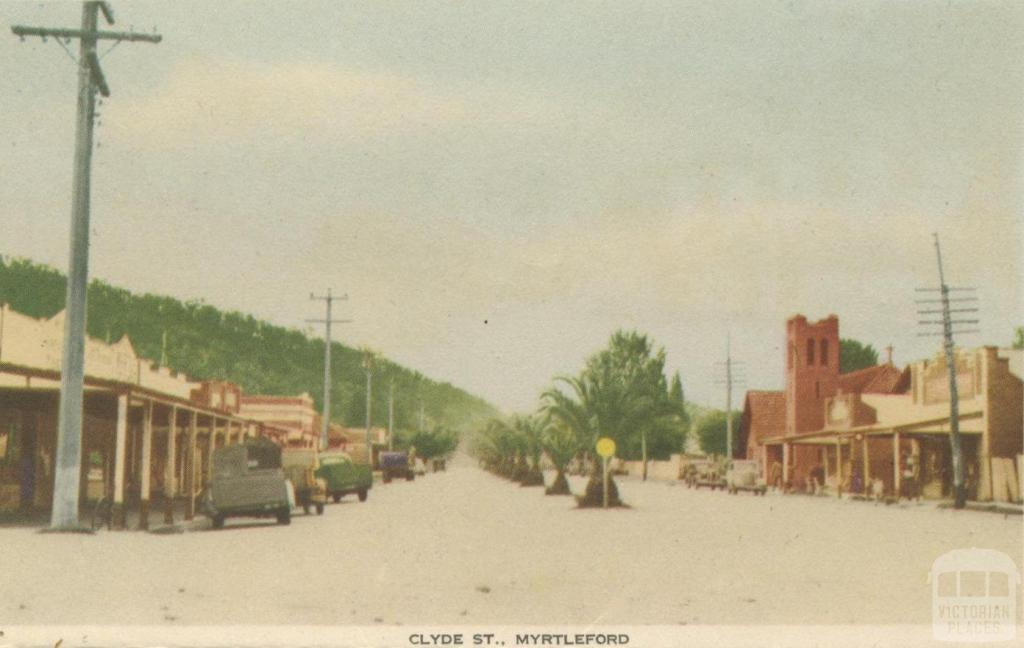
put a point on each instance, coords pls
(248, 482)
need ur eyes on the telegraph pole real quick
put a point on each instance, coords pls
(68, 460)
(947, 322)
(368, 365)
(327, 321)
(391, 415)
(728, 382)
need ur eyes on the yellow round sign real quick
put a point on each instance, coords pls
(605, 447)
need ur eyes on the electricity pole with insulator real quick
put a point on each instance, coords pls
(327, 321)
(947, 322)
(68, 459)
(730, 380)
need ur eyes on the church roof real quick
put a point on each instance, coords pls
(880, 379)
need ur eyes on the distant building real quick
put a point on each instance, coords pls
(292, 414)
(869, 425)
(353, 440)
(219, 395)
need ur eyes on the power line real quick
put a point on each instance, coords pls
(730, 380)
(68, 459)
(947, 322)
(327, 321)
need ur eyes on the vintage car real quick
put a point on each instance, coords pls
(396, 464)
(744, 475)
(706, 471)
(342, 476)
(300, 465)
(248, 482)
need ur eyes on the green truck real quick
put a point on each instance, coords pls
(343, 476)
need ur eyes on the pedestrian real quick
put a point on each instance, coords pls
(817, 481)
(910, 474)
(775, 478)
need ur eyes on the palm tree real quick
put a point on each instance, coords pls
(495, 447)
(529, 429)
(588, 412)
(561, 445)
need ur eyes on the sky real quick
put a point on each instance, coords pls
(498, 186)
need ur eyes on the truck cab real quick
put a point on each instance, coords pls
(248, 481)
(342, 476)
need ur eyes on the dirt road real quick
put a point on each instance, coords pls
(465, 547)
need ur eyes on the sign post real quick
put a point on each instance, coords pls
(605, 449)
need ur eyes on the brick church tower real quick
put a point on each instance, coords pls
(812, 371)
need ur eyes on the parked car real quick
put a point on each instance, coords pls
(248, 482)
(708, 472)
(396, 464)
(342, 476)
(744, 475)
(300, 465)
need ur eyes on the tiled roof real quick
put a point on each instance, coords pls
(880, 379)
(764, 415)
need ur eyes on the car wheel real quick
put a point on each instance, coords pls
(284, 516)
(336, 497)
(410, 477)
(319, 509)
(362, 495)
(218, 521)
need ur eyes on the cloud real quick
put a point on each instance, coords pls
(230, 103)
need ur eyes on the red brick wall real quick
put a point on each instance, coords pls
(811, 376)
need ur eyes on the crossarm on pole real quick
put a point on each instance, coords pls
(21, 30)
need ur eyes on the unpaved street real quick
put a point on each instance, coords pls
(465, 547)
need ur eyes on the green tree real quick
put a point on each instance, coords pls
(530, 431)
(854, 355)
(560, 445)
(436, 443)
(711, 432)
(1018, 338)
(682, 416)
(621, 393)
(206, 343)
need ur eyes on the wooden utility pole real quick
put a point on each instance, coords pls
(730, 380)
(391, 415)
(368, 365)
(327, 321)
(68, 460)
(947, 322)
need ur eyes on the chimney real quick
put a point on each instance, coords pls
(888, 355)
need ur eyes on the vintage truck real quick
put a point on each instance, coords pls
(744, 475)
(342, 476)
(248, 482)
(707, 471)
(300, 465)
(396, 464)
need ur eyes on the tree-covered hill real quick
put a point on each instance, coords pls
(204, 342)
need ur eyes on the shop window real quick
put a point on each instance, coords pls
(824, 352)
(810, 352)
